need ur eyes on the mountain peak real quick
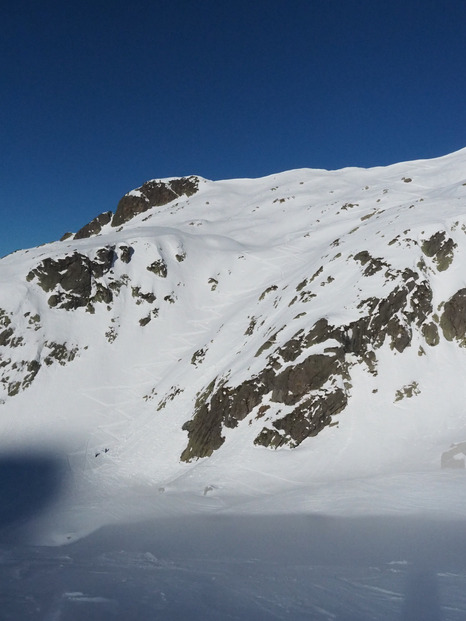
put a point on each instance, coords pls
(154, 193)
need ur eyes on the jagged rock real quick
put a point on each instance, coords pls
(60, 353)
(159, 268)
(74, 277)
(204, 430)
(373, 265)
(228, 405)
(294, 382)
(440, 250)
(407, 391)
(305, 421)
(268, 290)
(33, 368)
(153, 194)
(316, 387)
(94, 226)
(453, 319)
(198, 356)
(430, 334)
(126, 253)
(5, 336)
(141, 296)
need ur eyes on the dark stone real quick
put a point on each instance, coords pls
(453, 319)
(60, 353)
(5, 336)
(228, 405)
(13, 388)
(372, 265)
(75, 274)
(33, 368)
(292, 348)
(204, 430)
(430, 334)
(102, 294)
(95, 226)
(306, 420)
(439, 249)
(294, 382)
(104, 261)
(153, 194)
(140, 296)
(126, 253)
(159, 268)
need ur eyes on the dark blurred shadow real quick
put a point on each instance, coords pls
(29, 483)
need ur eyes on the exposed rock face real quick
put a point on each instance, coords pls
(159, 268)
(95, 226)
(75, 279)
(153, 194)
(309, 385)
(317, 387)
(372, 266)
(440, 249)
(453, 320)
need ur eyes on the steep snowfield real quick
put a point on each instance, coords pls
(210, 287)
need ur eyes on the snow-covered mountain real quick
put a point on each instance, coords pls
(220, 342)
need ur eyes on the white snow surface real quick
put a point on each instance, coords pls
(105, 429)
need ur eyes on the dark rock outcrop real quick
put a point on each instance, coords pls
(440, 249)
(126, 253)
(317, 387)
(159, 268)
(94, 226)
(153, 194)
(453, 319)
(298, 385)
(74, 279)
(372, 265)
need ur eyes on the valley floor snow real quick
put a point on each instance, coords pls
(382, 548)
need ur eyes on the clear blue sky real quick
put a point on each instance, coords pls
(98, 97)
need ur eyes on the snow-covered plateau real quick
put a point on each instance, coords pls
(241, 399)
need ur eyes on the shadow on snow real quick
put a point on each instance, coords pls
(29, 483)
(249, 568)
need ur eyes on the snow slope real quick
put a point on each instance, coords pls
(208, 288)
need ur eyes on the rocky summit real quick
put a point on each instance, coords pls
(311, 321)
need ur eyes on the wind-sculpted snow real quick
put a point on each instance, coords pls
(245, 335)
